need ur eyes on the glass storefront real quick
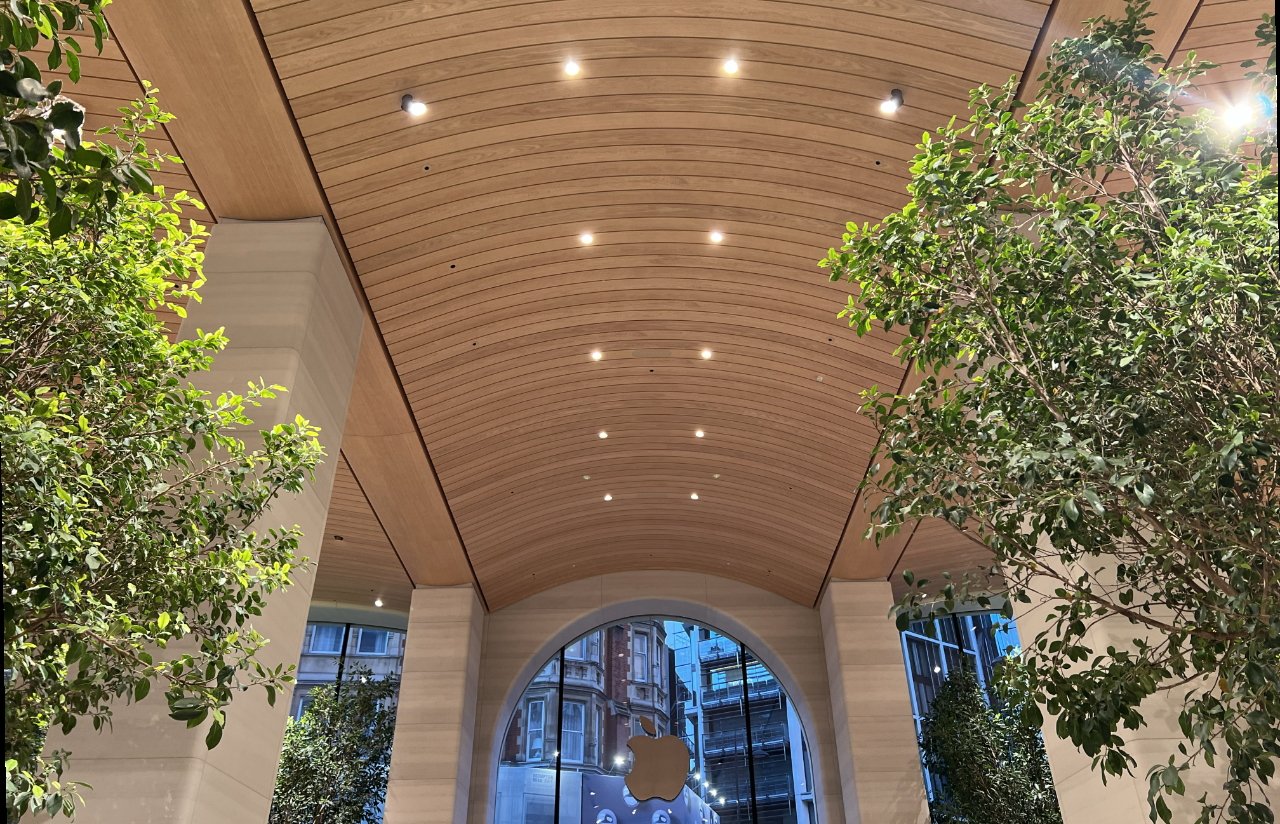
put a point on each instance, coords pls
(934, 648)
(330, 651)
(655, 720)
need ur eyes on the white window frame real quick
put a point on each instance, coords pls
(313, 649)
(360, 632)
(541, 729)
(640, 647)
(568, 754)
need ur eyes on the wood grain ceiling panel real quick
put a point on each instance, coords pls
(1225, 33)
(490, 305)
(357, 561)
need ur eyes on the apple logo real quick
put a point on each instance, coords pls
(660, 766)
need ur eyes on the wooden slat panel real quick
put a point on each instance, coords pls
(357, 562)
(490, 306)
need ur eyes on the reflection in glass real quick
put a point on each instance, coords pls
(568, 749)
(934, 648)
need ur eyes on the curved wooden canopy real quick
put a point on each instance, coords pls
(491, 305)
(464, 227)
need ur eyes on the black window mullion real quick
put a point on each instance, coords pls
(559, 732)
(746, 706)
(342, 662)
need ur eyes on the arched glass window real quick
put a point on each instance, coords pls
(600, 735)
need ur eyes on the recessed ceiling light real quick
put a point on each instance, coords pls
(716, 237)
(716, 476)
(586, 477)
(413, 106)
(893, 102)
(597, 355)
(730, 66)
(377, 602)
(699, 433)
(706, 354)
(693, 495)
(586, 238)
(608, 497)
(572, 68)
(603, 434)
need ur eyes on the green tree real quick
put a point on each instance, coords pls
(989, 763)
(1087, 286)
(337, 756)
(132, 550)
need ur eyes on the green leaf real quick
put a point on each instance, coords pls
(214, 735)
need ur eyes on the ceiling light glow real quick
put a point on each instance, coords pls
(597, 355)
(699, 434)
(603, 434)
(608, 497)
(377, 602)
(586, 238)
(893, 102)
(572, 68)
(693, 496)
(730, 66)
(716, 237)
(413, 106)
(706, 354)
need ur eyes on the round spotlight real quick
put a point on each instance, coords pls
(586, 477)
(586, 238)
(730, 66)
(572, 68)
(716, 237)
(1238, 116)
(597, 355)
(893, 102)
(608, 497)
(603, 434)
(699, 434)
(693, 496)
(377, 602)
(413, 106)
(706, 354)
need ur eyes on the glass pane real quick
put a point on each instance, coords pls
(660, 704)
(372, 642)
(326, 639)
(526, 773)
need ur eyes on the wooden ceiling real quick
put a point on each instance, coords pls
(490, 305)
(358, 564)
(462, 228)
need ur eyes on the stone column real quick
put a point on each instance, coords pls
(876, 745)
(436, 716)
(1082, 796)
(292, 318)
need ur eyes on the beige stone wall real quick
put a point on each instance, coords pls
(435, 718)
(1082, 796)
(875, 736)
(293, 319)
(786, 636)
